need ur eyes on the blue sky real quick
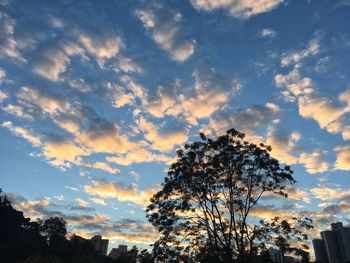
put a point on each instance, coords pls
(96, 97)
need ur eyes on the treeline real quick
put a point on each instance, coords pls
(46, 241)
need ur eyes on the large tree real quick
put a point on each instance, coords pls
(204, 209)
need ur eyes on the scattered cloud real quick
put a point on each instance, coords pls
(342, 158)
(121, 193)
(162, 141)
(246, 120)
(293, 58)
(329, 194)
(24, 133)
(51, 64)
(164, 26)
(314, 162)
(267, 32)
(242, 9)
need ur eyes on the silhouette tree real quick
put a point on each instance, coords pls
(18, 236)
(54, 227)
(204, 209)
(145, 257)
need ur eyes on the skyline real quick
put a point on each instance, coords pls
(96, 98)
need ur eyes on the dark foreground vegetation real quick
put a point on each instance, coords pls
(209, 207)
(46, 241)
(207, 211)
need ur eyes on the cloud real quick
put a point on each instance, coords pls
(119, 192)
(8, 43)
(51, 63)
(329, 194)
(246, 120)
(72, 188)
(46, 102)
(99, 201)
(210, 93)
(320, 109)
(101, 46)
(163, 100)
(298, 194)
(104, 166)
(58, 151)
(138, 156)
(268, 212)
(329, 113)
(314, 162)
(284, 144)
(238, 8)
(127, 65)
(128, 230)
(123, 99)
(105, 137)
(21, 132)
(3, 96)
(163, 24)
(162, 141)
(18, 111)
(82, 202)
(293, 58)
(342, 158)
(267, 32)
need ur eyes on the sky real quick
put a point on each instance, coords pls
(97, 96)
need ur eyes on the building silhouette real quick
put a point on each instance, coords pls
(122, 253)
(320, 250)
(334, 245)
(100, 245)
(276, 256)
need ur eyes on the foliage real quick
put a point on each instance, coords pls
(204, 210)
(23, 240)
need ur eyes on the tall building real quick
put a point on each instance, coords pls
(275, 255)
(320, 250)
(336, 244)
(122, 253)
(100, 245)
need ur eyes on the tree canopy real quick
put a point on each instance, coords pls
(204, 209)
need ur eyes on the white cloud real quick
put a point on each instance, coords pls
(314, 162)
(72, 188)
(82, 202)
(329, 194)
(51, 63)
(3, 96)
(293, 58)
(138, 156)
(121, 193)
(238, 8)
(246, 120)
(21, 132)
(210, 93)
(122, 99)
(47, 102)
(284, 145)
(343, 158)
(8, 43)
(329, 113)
(267, 32)
(103, 166)
(164, 141)
(99, 201)
(166, 32)
(102, 47)
(18, 111)
(59, 151)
